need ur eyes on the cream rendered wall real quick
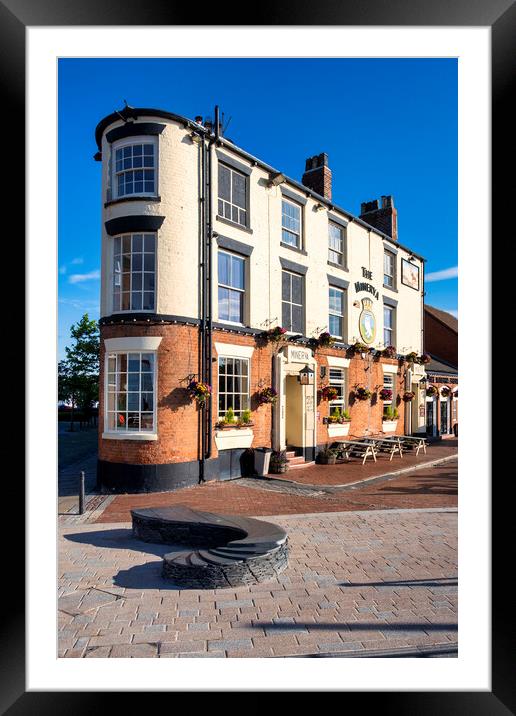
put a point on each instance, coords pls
(178, 238)
(178, 248)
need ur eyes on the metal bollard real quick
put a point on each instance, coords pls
(81, 494)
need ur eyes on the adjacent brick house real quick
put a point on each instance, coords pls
(441, 331)
(205, 248)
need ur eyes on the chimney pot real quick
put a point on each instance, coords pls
(384, 218)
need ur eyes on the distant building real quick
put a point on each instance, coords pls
(441, 331)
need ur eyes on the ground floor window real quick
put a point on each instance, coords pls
(233, 385)
(388, 384)
(130, 395)
(338, 381)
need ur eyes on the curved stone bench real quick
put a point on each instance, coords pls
(221, 550)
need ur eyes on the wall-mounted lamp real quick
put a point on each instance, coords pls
(319, 207)
(323, 372)
(276, 179)
(196, 139)
(306, 376)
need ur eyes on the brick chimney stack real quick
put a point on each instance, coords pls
(384, 218)
(317, 175)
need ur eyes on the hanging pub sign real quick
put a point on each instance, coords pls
(367, 321)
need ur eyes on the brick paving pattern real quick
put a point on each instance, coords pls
(357, 582)
(426, 487)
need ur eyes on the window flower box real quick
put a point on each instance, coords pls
(389, 426)
(336, 430)
(233, 437)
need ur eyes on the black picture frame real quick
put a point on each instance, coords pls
(15, 16)
(404, 262)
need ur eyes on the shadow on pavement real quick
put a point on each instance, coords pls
(119, 539)
(437, 582)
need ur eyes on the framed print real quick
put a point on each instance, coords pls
(410, 274)
(96, 573)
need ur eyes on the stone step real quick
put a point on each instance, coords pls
(291, 453)
(297, 460)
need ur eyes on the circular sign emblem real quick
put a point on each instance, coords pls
(367, 321)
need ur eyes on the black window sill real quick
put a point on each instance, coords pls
(233, 223)
(338, 266)
(133, 197)
(294, 248)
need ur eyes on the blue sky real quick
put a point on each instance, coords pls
(389, 126)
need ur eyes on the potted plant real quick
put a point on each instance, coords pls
(358, 347)
(385, 394)
(408, 395)
(338, 423)
(424, 358)
(279, 462)
(412, 357)
(389, 352)
(245, 420)
(228, 421)
(199, 391)
(361, 393)
(325, 340)
(328, 392)
(390, 419)
(327, 456)
(431, 391)
(267, 395)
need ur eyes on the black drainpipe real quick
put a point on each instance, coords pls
(206, 321)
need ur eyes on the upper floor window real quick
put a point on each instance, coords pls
(233, 385)
(134, 272)
(292, 311)
(290, 224)
(336, 244)
(336, 314)
(231, 269)
(130, 395)
(135, 169)
(232, 195)
(388, 326)
(389, 269)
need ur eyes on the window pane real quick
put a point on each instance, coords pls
(239, 190)
(224, 183)
(146, 381)
(223, 304)
(224, 267)
(297, 319)
(285, 286)
(147, 362)
(237, 272)
(137, 243)
(134, 362)
(285, 315)
(297, 289)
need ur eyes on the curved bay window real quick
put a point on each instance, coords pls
(130, 394)
(135, 169)
(134, 272)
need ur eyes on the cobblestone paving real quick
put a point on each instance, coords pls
(356, 582)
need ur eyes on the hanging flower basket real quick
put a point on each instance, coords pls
(329, 393)
(274, 335)
(362, 393)
(267, 396)
(431, 391)
(412, 357)
(325, 340)
(358, 347)
(424, 358)
(408, 395)
(199, 391)
(389, 352)
(445, 392)
(385, 394)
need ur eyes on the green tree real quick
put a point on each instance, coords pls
(78, 374)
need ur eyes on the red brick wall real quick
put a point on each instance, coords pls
(440, 340)
(178, 418)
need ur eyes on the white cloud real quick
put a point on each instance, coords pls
(81, 277)
(62, 269)
(443, 275)
(78, 260)
(80, 304)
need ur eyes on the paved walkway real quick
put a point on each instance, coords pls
(426, 487)
(358, 583)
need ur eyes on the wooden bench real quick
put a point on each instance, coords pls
(356, 448)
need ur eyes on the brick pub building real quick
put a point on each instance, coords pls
(207, 251)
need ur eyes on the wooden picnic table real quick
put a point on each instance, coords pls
(385, 445)
(356, 448)
(410, 442)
